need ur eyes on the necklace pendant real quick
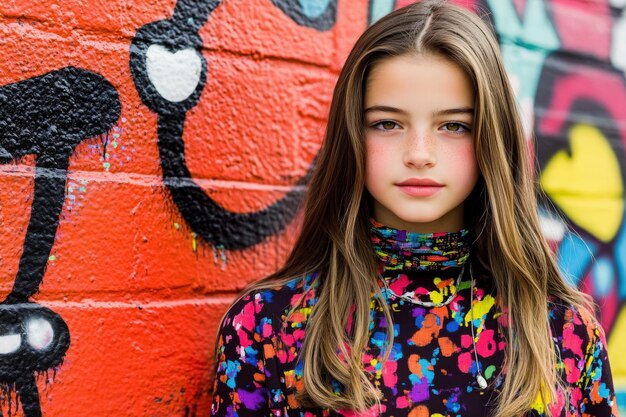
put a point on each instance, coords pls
(482, 383)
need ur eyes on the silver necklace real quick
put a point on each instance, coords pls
(480, 379)
(411, 300)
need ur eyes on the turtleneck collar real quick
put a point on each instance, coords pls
(403, 250)
(422, 266)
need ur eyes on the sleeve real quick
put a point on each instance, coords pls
(596, 381)
(239, 386)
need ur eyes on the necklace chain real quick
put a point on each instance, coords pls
(480, 379)
(425, 303)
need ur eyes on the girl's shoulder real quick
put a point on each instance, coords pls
(564, 314)
(265, 307)
(583, 359)
(575, 331)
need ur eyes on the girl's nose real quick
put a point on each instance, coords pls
(420, 150)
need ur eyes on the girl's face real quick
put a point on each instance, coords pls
(420, 161)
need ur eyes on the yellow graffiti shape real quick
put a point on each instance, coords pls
(587, 185)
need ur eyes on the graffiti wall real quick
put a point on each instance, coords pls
(153, 157)
(566, 60)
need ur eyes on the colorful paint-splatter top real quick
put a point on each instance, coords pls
(432, 368)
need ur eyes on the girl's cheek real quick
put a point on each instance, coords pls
(377, 152)
(463, 154)
(373, 163)
(463, 159)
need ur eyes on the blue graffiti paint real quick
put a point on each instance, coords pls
(313, 8)
(574, 257)
(620, 260)
(603, 277)
(379, 8)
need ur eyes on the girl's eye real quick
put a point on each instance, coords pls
(456, 128)
(385, 125)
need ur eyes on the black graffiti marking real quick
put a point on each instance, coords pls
(294, 9)
(14, 319)
(26, 388)
(209, 220)
(193, 14)
(48, 117)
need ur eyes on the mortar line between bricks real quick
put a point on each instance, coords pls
(142, 180)
(103, 36)
(260, 56)
(253, 55)
(151, 304)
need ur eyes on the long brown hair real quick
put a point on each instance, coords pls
(502, 216)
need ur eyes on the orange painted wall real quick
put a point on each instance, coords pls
(140, 292)
(139, 285)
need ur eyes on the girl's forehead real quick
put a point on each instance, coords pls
(418, 80)
(413, 68)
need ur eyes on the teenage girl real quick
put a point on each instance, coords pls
(420, 284)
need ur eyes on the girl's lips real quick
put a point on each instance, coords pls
(420, 182)
(420, 190)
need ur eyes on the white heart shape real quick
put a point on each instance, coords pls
(174, 75)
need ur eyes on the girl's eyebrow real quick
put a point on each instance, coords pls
(446, 112)
(387, 109)
(460, 110)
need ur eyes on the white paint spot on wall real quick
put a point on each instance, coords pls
(618, 43)
(174, 75)
(221, 252)
(553, 228)
(527, 114)
(9, 343)
(39, 333)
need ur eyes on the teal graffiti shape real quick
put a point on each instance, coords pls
(314, 8)
(379, 8)
(525, 43)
